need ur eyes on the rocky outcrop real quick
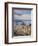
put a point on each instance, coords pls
(22, 30)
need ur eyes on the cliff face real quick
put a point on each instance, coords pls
(22, 30)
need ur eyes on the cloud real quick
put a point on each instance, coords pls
(23, 17)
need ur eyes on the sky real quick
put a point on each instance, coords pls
(22, 11)
(23, 15)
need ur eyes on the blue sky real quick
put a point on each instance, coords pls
(22, 11)
(26, 19)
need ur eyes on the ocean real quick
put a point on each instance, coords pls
(23, 21)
